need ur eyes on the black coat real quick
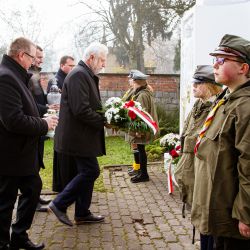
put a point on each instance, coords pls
(80, 131)
(60, 76)
(20, 125)
(37, 90)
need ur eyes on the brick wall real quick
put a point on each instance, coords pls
(166, 88)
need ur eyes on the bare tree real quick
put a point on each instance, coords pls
(136, 22)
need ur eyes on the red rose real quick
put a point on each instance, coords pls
(178, 147)
(131, 114)
(129, 104)
(173, 153)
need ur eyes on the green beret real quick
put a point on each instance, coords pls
(232, 45)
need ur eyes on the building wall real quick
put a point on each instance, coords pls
(166, 88)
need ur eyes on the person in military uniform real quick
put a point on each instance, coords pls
(221, 198)
(144, 95)
(205, 90)
(127, 97)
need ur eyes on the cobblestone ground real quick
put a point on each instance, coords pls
(138, 216)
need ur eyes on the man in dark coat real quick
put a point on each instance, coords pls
(66, 65)
(41, 101)
(20, 130)
(80, 134)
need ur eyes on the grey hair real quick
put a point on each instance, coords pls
(95, 49)
(20, 44)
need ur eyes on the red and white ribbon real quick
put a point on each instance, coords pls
(170, 180)
(146, 117)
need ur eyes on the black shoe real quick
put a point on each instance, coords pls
(27, 244)
(139, 178)
(133, 172)
(61, 216)
(91, 218)
(43, 201)
(40, 208)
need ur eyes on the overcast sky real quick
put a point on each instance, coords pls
(60, 17)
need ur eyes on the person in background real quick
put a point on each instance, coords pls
(80, 134)
(221, 198)
(205, 89)
(41, 101)
(44, 81)
(144, 95)
(127, 97)
(20, 130)
(62, 173)
(67, 63)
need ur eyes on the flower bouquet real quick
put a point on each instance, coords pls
(128, 116)
(171, 142)
(115, 114)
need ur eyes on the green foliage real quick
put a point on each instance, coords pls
(154, 152)
(168, 121)
(118, 152)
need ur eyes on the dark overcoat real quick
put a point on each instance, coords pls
(20, 125)
(80, 131)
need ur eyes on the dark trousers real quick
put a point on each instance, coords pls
(207, 242)
(225, 243)
(80, 188)
(143, 159)
(64, 170)
(30, 188)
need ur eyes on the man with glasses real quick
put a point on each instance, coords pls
(66, 65)
(20, 130)
(221, 199)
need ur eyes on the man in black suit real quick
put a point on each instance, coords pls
(67, 63)
(20, 131)
(80, 134)
(41, 101)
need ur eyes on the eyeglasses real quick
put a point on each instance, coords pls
(221, 60)
(32, 57)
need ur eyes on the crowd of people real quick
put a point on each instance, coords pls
(213, 173)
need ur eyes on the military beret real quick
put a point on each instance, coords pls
(232, 45)
(138, 75)
(132, 71)
(203, 73)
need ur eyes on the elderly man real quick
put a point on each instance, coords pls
(221, 199)
(20, 131)
(80, 134)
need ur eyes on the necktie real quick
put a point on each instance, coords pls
(207, 124)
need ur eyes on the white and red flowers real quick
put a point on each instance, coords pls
(128, 116)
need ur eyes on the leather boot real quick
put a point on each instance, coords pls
(140, 178)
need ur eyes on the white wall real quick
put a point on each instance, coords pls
(202, 29)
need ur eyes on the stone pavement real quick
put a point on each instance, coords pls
(138, 216)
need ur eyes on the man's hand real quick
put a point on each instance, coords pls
(54, 106)
(244, 229)
(52, 121)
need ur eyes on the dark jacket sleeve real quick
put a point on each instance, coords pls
(42, 109)
(12, 115)
(83, 100)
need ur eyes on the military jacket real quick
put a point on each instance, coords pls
(222, 172)
(185, 169)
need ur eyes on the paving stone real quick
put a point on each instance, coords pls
(138, 216)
